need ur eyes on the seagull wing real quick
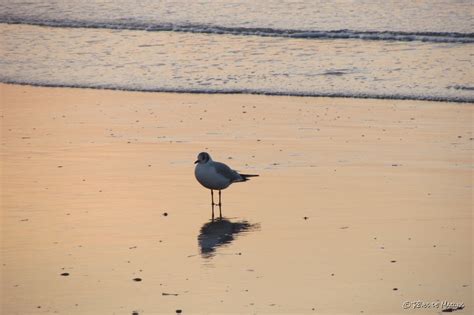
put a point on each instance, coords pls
(227, 172)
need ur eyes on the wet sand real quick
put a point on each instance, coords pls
(361, 205)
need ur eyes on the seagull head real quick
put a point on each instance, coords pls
(203, 158)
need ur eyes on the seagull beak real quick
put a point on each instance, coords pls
(197, 161)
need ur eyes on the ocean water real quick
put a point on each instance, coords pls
(376, 49)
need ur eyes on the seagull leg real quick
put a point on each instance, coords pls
(220, 206)
(212, 203)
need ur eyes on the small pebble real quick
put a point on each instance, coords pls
(137, 279)
(65, 274)
(165, 214)
(179, 311)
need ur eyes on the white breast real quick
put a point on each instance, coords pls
(207, 176)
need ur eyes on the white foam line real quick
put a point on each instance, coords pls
(252, 92)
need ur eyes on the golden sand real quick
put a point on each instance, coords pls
(361, 205)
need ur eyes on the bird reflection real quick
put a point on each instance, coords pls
(221, 232)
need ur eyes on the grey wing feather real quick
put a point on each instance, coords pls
(227, 172)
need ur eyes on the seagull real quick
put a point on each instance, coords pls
(216, 176)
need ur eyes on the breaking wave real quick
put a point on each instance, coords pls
(432, 37)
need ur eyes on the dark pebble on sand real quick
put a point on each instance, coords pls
(165, 214)
(306, 218)
(65, 274)
(393, 261)
(168, 294)
(395, 289)
(179, 311)
(137, 279)
(135, 313)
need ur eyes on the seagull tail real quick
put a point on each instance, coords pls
(245, 177)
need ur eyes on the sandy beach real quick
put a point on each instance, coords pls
(361, 205)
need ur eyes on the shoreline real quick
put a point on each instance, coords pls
(255, 92)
